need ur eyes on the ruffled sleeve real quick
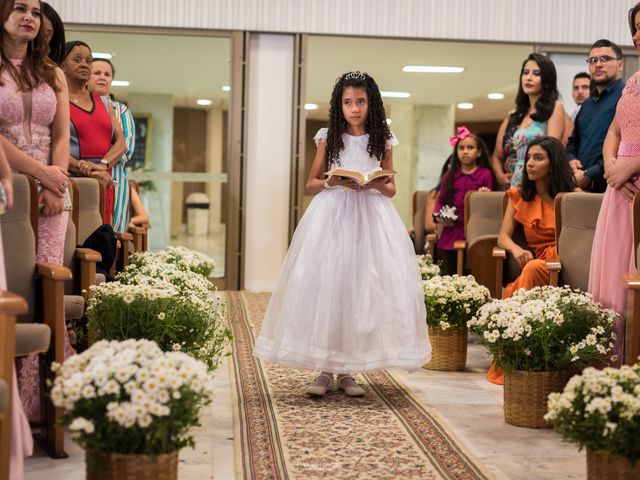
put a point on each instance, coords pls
(534, 214)
(321, 135)
(391, 142)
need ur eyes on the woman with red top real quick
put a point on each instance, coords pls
(97, 141)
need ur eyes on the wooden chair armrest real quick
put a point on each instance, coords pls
(88, 259)
(631, 280)
(499, 253)
(124, 236)
(142, 231)
(460, 244)
(53, 272)
(554, 267)
(12, 304)
(88, 255)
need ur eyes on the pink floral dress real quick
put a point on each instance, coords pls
(612, 253)
(26, 120)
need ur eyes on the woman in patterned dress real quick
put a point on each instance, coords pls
(102, 75)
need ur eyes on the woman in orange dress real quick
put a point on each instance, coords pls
(531, 205)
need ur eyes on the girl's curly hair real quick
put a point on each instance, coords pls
(375, 123)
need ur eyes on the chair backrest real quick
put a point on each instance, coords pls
(483, 213)
(19, 233)
(576, 218)
(420, 200)
(89, 211)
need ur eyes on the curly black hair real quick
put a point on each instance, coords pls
(547, 101)
(375, 123)
(561, 178)
(484, 160)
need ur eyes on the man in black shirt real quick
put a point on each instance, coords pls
(596, 113)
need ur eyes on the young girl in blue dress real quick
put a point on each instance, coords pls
(349, 297)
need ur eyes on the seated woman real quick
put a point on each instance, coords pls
(139, 216)
(532, 206)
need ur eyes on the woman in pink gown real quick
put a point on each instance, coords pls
(35, 119)
(612, 253)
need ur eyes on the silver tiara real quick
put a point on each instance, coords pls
(355, 76)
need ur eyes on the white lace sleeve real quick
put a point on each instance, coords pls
(392, 142)
(321, 135)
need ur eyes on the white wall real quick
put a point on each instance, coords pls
(539, 21)
(567, 65)
(435, 124)
(268, 158)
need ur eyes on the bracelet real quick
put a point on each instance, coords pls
(326, 185)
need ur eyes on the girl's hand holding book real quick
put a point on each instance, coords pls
(345, 182)
(377, 184)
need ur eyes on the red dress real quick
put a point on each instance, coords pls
(91, 137)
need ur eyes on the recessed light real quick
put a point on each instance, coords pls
(310, 106)
(105, 56)
(226, 88)
(120, 83)
(205, 102)
(389, 121)
(395, 94)
(431, 69)
(496, 96)
(465, 106)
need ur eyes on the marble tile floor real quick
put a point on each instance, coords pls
(470, 406)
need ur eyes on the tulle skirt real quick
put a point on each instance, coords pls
(349, 297)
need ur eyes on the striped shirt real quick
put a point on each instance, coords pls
(121, 213)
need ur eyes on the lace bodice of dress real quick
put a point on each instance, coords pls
(354, 156)
(26, 118)
(627, 113)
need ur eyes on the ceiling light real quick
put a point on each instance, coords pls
(105, 56)
(395, 94)
(310, 106)
(465, 106)
(226, 88)
(431, 69)
(120, 83)
(205, 102)
(388, 121)
(496, 96)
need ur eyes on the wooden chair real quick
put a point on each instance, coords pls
(576, 218)
(506, 266)
(483, 213)
(42, 286)
(10, 306)
(632, 281)
(90, 194)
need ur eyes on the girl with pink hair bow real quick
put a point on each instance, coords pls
(470, 169)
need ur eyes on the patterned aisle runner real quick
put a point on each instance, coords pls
(281, 433)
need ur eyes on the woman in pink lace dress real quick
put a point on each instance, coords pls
(621, 153)
(34, 118)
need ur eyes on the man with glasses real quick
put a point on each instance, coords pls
(596, 113)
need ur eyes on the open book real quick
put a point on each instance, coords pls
(362, 178)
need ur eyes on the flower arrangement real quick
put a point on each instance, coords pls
(447, 213)
(164, 301)
(130, 397)
(545, 329)
(452, 299)
(182, 257)
(428, 268)
(600, 410)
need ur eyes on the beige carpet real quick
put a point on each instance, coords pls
(281, 433)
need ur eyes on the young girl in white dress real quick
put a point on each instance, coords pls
(349, 297)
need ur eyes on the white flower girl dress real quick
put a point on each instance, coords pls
(349, 298)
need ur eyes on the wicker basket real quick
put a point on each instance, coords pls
(118, 466)
(449, 349)
(603, 465)
(525, 396)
